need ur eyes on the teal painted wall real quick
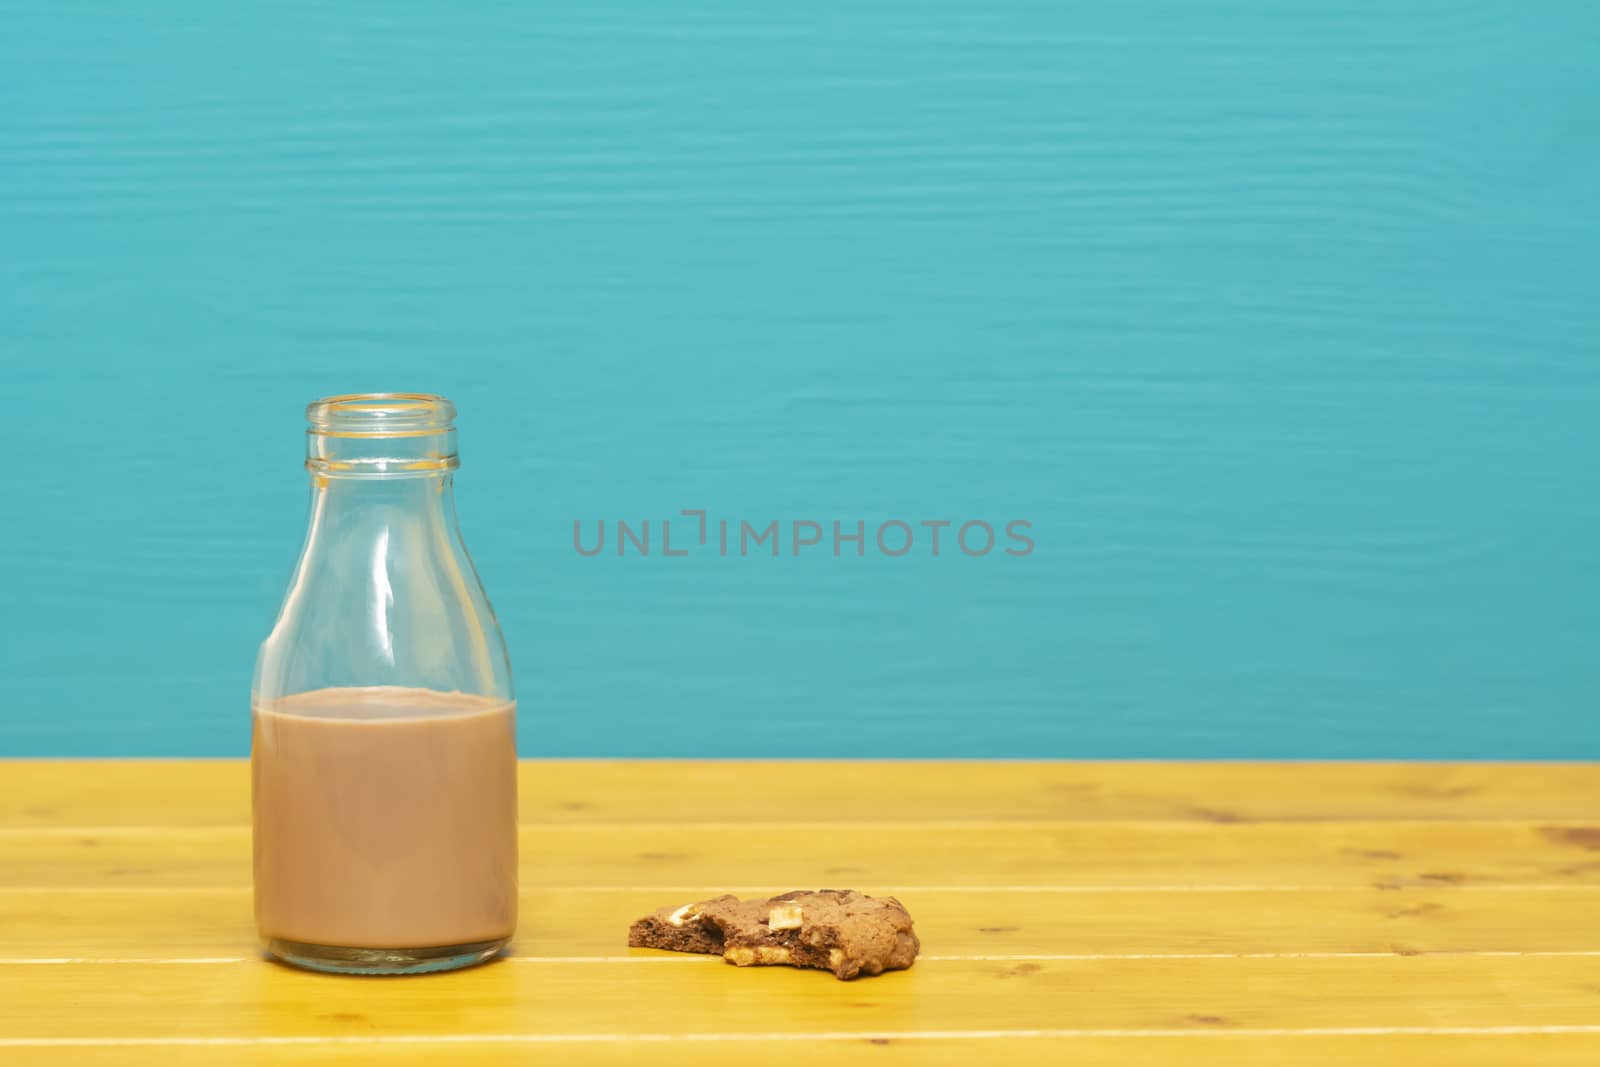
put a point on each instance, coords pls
(1279, 321)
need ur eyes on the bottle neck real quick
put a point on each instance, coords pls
(381, 436)
(409, 508)
(381, 481)
(352, 459)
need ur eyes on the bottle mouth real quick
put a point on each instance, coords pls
(380, 415)
(381, 435)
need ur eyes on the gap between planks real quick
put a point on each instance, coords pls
(823, 1036)
(1182, 887)
(1013, 957)
(689, 825)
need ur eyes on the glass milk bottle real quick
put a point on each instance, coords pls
(383, 759)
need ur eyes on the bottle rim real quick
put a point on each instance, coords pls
(379, 415)
(381, 435)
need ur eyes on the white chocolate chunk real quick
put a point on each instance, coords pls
(744, 955)
(784, 917)
(683, 915)
(835, 957)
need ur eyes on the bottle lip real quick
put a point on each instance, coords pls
(381, 435)
(380, 415)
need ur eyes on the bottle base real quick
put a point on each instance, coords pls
(336, 959)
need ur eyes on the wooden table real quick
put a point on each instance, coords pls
(1073, 913)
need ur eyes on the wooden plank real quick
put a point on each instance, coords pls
(1459, 936)
(217, 792)
(109, 925)
(689, 859)
(1143, 995)
(1481, 1049)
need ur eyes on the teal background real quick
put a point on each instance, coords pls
(1279, 321)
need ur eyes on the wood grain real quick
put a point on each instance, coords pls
(1199, 995)
(1199, 1049)
(881, 856)
(180, 924)
(55, 794)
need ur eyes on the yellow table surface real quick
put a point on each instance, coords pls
(1071, 913)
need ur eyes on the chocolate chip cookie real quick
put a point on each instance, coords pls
(836, 930)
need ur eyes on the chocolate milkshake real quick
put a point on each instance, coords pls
(385, 819)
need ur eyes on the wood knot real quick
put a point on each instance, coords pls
(1584, 837)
